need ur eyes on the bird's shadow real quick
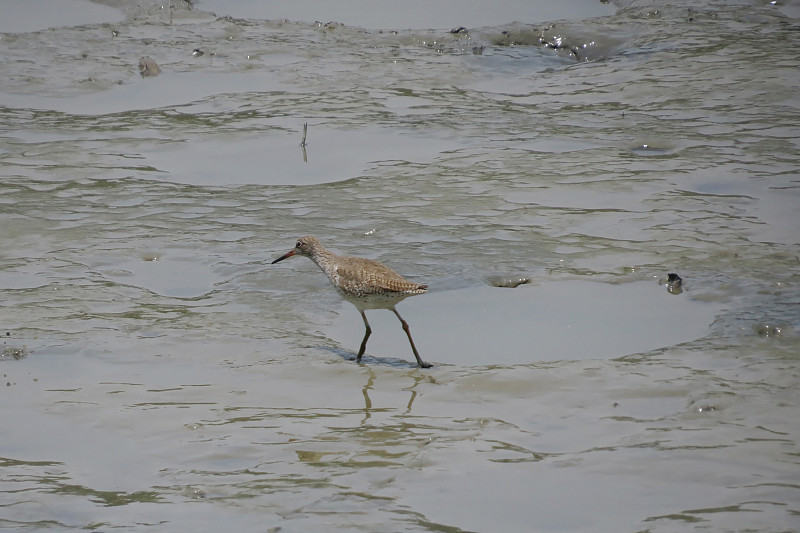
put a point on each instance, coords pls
(347, 355)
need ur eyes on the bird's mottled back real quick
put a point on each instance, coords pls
(364, 276)
(355, 276)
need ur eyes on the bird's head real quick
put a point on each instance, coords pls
(306, 246)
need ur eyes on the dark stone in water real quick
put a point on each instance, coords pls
(507, 281)
(673, 282)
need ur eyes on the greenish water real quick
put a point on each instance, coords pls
(160, 374)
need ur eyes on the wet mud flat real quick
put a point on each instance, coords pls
(158, 373)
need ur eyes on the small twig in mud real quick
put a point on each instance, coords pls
(303, 142)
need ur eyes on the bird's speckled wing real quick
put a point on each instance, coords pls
(364, 276)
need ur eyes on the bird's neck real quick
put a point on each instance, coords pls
(325, 260)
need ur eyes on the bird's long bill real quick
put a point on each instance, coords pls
(290, 253)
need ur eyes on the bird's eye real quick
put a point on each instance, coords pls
(299, 244)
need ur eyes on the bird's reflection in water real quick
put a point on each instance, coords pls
(370, 385)
(365, 391)
(376, 362)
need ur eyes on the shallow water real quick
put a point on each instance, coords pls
(565, 320)
(161, 374)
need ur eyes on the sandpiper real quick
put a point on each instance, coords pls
(365, 283)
